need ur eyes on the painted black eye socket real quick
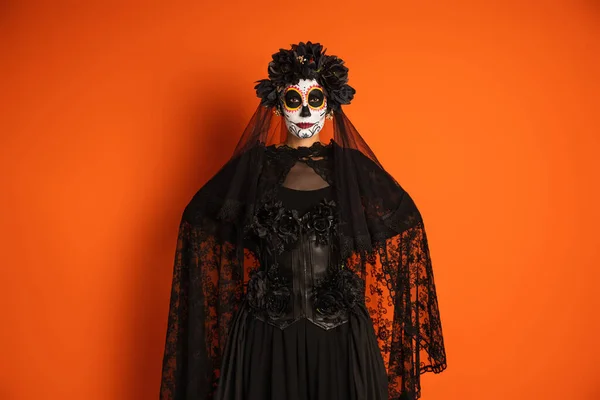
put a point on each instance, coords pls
(293, 99)
(316, 98)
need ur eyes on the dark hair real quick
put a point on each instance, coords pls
(306, 61)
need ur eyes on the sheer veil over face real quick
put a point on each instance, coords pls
(304, 108)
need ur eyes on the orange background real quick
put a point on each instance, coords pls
(114, 113)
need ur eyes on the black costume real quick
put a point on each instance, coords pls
(301, 273)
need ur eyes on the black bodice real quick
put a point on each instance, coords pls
(301, 273)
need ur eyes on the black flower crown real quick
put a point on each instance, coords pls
(306, 61)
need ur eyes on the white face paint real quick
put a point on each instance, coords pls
(304, 108)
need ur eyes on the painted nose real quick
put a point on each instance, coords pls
(305, 112)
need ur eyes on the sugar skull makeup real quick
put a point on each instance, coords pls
(304, 108)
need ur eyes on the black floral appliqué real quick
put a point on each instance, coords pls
(266, 218)
(280, 227)
(257, 289)
(288, 226)
(277, 302)
(268, 293)
(321, 221)
(337, 293)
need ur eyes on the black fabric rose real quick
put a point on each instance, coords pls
(266, 218)
(267, 92)
(257, 288)
(280, 227)
(288, 226)
(268, 292)
(321, 220)
(343, 95)
(334, 78)
(310, 58)
(335, 73)
(277, 301)
(350, 285)
(329, 303)
(285, 68)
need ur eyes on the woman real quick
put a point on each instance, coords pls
(302, 269)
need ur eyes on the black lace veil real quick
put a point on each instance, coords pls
(382, 238)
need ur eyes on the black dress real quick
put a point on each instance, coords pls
(283, 294)
(303, 331)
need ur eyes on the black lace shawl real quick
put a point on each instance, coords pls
(382, 237)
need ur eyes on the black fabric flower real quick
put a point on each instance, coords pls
(268, 292)
(350, 285)
(306, 61)
(322, 217)
(329, 303)
(277, 302)
(335, 73)
(280, 227)
(343, 95)
(310, 56)
(267, 92)
(257, 288)
(339, 291)
(266, 218)
(321, 220)
(284, 68)
(288, 226)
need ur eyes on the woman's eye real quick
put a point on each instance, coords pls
(316, 98)
(316, 101)
(293, 99)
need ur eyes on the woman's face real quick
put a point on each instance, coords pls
(304, 108)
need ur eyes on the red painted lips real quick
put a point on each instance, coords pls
(304, 125)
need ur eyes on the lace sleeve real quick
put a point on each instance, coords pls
(401, 297)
